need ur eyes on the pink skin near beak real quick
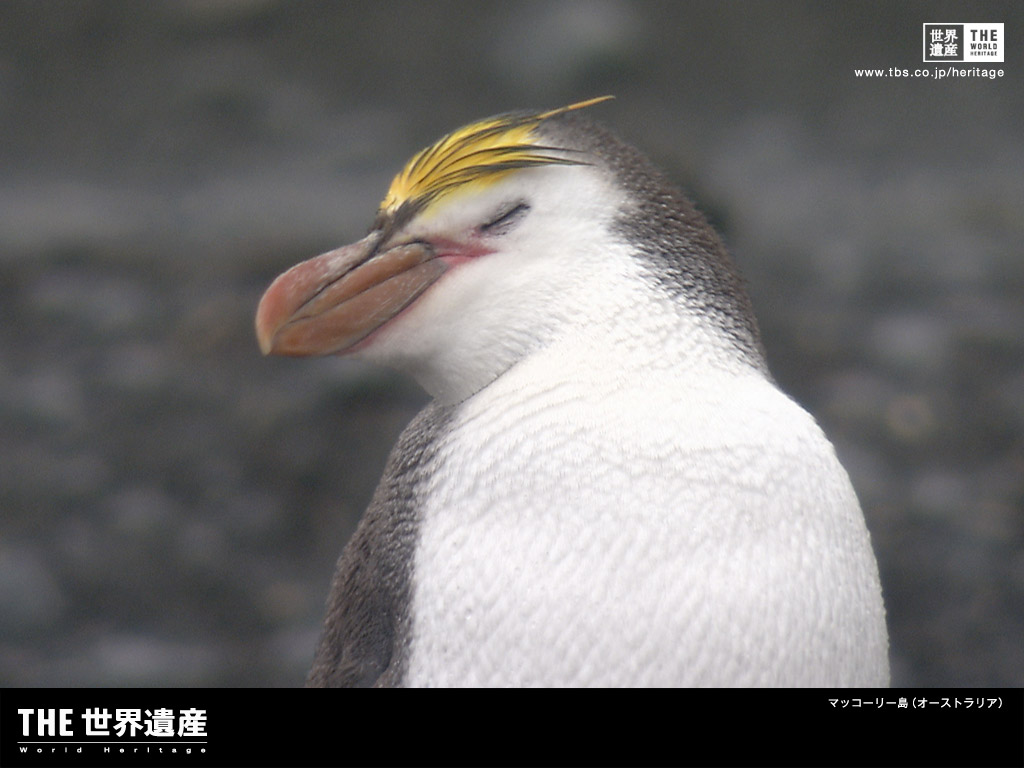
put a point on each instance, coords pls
(330, 303)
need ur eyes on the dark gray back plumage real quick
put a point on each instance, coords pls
(365, 637)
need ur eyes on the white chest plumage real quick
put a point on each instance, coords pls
(646, 528)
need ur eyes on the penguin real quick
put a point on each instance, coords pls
(608, 488)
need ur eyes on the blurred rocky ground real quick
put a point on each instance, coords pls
(171, 503)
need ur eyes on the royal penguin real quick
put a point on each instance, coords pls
(608, 487)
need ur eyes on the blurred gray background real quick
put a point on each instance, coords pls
(172, 504)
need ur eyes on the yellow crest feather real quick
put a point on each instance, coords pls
(483, 151)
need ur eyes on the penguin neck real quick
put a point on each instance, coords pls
(622, 333)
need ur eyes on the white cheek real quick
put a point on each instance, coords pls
(490, 310)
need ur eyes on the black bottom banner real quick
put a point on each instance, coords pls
(295, 728)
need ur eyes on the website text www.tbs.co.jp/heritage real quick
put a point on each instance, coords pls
(936, 73)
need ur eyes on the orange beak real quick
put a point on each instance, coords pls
(330, 303)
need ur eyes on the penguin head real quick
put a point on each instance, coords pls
(490, 242)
